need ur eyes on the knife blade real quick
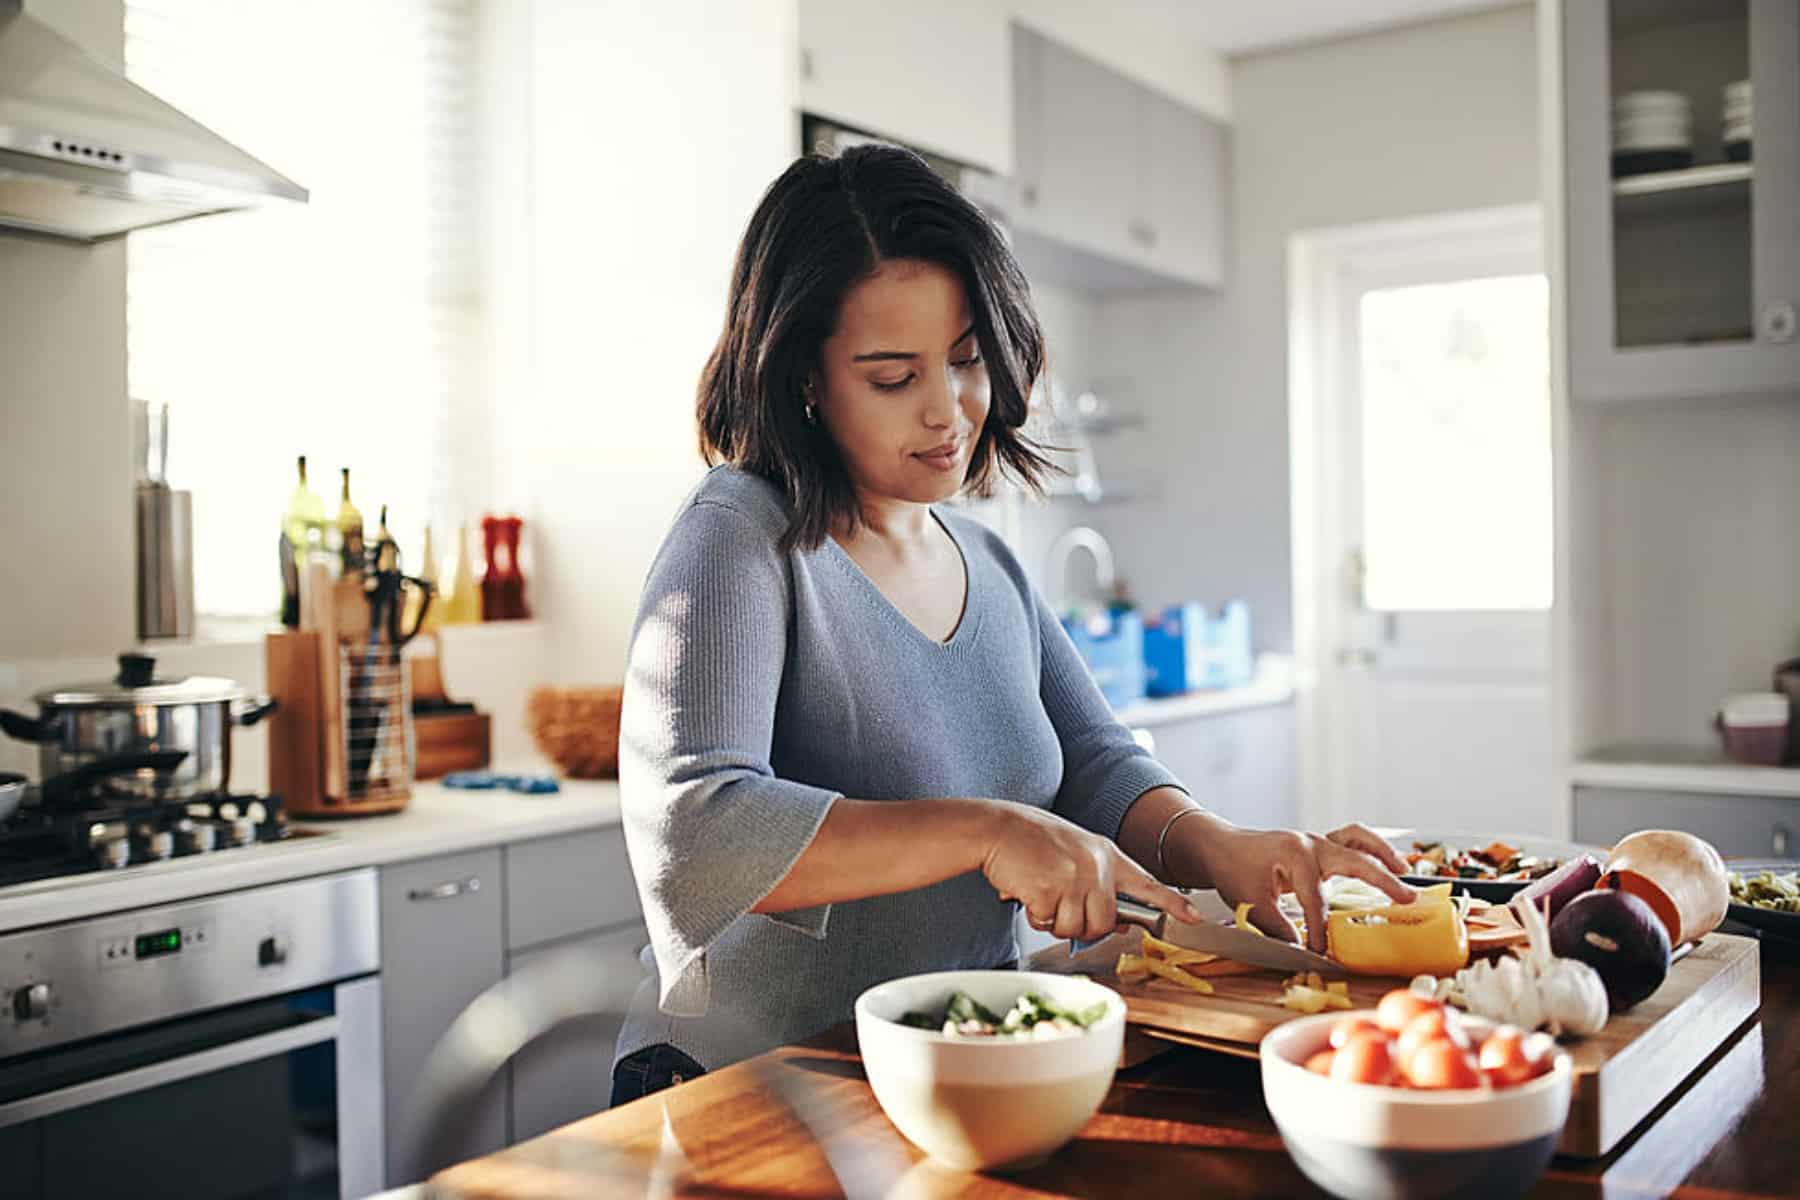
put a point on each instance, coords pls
(1219, 934)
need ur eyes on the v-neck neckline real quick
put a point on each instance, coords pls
(971, 610)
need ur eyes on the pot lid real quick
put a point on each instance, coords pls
(137, 683)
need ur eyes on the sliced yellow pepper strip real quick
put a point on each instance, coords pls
(1426, 937)
(1181, 956)
(1137, 965)
(1243, 919)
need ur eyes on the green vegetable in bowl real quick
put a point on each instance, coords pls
(1767, 889)
(1030, 1016)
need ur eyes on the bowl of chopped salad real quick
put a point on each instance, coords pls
(990, 1070)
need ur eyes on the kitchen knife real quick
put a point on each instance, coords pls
(1218, 934)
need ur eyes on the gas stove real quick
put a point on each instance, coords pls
(111, 832)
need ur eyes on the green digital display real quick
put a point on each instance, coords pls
(167, 941)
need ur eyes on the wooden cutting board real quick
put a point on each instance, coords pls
(1621, 1074)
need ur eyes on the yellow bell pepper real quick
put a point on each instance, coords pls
(1426, 937)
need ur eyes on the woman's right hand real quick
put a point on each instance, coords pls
(1067, 879)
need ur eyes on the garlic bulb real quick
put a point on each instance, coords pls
(1535, 991)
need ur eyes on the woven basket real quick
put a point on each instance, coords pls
(577, 729)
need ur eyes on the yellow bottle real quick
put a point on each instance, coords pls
(462, 604)
(305, 520)
(428, 571)
(350, 529)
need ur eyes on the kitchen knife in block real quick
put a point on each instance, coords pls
(1218, 934)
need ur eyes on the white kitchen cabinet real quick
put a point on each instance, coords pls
(1683, 284)
(567, 1074)
(1738, 826)
(1240, 764)
(1118, 186)
(934, 74)
(1184, 203)
(571, 895)
(441, 946)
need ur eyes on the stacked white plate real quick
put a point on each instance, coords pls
(1736, 120)
(1651, 131)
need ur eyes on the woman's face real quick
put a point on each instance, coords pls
(902, 389)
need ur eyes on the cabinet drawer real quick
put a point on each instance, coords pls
(1739, 826)
(560, 886)
(567, 1074)
(440, 948)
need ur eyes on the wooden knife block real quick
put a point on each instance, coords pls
(341, 737)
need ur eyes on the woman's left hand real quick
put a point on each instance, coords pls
(1257, 865)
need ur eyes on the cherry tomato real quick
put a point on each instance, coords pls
(1504, 1060)
(1320, 1063)
(1430, 1026)
(1442, 1064)
(1365, 1058)
(1351, 1025)
(1400, 1006)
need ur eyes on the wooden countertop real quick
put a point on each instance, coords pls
(1187, 1117)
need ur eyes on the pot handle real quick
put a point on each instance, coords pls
(69, 784)
(24, 728)
(253, 710)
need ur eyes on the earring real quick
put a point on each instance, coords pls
(812, 409)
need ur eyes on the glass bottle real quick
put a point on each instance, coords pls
(350, 529)
(305, 520)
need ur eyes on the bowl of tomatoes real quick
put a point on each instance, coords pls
(1414, 1100)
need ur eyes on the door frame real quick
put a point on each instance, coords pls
(1325, 267)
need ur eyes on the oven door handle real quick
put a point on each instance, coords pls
(172, 1070)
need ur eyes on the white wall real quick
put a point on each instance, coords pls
(65, 442)
(652, 132)
(1428, 118)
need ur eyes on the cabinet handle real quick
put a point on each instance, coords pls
(446, 891)
(1778, 843)
(1778, 324)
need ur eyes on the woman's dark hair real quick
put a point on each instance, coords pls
(825, 224)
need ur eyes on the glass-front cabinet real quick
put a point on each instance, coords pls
(1682, 169)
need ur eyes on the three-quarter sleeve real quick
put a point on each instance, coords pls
(709, 828)
(1104, 769)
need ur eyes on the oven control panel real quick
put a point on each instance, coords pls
(65, 982)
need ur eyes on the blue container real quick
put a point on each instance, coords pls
(1112, 645)
(1186, 650)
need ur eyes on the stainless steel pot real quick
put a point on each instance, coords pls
(139, 713)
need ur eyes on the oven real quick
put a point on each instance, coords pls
(214, 1049)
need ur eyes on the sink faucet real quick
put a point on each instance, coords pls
(1057, 565)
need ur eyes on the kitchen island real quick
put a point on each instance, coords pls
(1187, 1119)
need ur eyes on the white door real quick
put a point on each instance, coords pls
(1423, 523)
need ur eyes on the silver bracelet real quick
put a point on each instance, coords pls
(1162, 864)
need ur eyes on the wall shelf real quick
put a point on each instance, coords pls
(1679, 771)
(1690, 190)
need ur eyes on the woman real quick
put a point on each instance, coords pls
(854, 735)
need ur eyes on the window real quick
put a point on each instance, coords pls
(347, 329)
(1456, 445)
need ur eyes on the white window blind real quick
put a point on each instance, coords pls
(344, 329)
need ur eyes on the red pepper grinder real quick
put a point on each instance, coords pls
(493, 598)
(512, 579)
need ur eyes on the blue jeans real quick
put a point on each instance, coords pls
(649, 1070)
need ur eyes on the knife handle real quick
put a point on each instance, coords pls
(1132, 912)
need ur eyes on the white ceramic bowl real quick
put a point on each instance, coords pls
(1364, 1142)
(987, 1103)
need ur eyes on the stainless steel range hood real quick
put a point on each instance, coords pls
(86, 154)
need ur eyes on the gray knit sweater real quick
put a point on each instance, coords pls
(761, 687)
